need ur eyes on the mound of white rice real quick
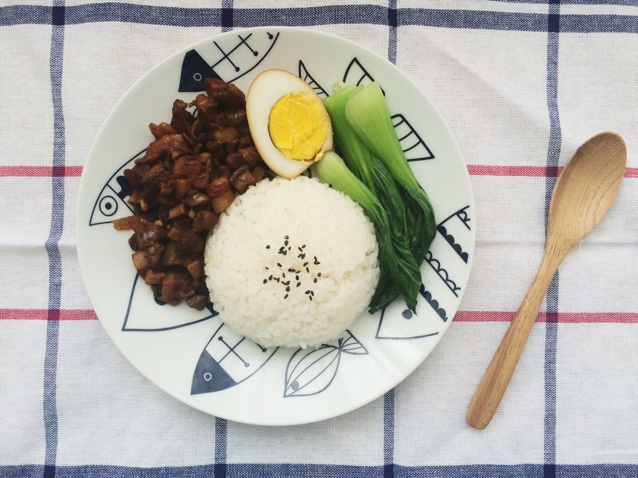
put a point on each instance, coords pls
(292, 263)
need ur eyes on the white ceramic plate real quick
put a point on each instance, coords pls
(191, 354)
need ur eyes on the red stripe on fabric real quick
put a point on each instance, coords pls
(563, 317)
(528, 171)
(45, 314)
(40, 171)
(461, 316)
(473, 169)
(631, 173)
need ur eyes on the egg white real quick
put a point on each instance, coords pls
(264, 92)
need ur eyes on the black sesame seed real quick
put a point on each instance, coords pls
(267, 246)
(270, 277)
(296, 277)
(278, 264)
(307, 270)
(288, 289)
(315, 280)
(318, 274)
(286, 296)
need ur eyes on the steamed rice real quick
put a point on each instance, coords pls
(291, 263)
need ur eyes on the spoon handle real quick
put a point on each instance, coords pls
(497, 376)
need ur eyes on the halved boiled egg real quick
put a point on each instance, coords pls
(288, 122)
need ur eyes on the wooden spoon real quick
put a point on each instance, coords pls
(582, 195)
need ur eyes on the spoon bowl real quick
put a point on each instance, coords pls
(582, 195)
(587, 187)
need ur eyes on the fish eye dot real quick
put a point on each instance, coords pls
(407, 314)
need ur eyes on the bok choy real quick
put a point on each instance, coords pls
(376, 177)
(396, 262)
(368, 114)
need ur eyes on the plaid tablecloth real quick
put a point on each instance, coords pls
(521, 84)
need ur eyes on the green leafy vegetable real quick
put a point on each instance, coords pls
(375, 173)
(359, 159)
(368, 114)
(396, 260)
(354, 152)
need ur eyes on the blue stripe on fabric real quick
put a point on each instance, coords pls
(25, 15)
(227, 15)
(221, 425)
(516, 21)
(576, 2)
(221, 447)
(250, 470)
(314, 16)
(55, 233)
(57, 15)
(388, 434)
(388, 399)
(551, 326)
(392, 36)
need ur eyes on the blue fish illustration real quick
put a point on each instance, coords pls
(413, 146)
(455, 229)
(427, 295)
(144, 313)
(356, 74)
(111, 201)
(310, 372)
(398, 323)
(439, 290)
(232, 58)
(411, 142)
(194, 70)
(443, 274)
(227, 360)
(305, 75)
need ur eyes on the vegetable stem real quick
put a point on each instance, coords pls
(368, 114)
(394, 258)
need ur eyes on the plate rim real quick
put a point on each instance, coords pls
(81, 248)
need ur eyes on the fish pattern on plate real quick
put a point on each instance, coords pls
(311, 371)
(441, 291)
(229, 359)
(228, 61)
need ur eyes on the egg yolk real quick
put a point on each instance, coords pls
(299, 126)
